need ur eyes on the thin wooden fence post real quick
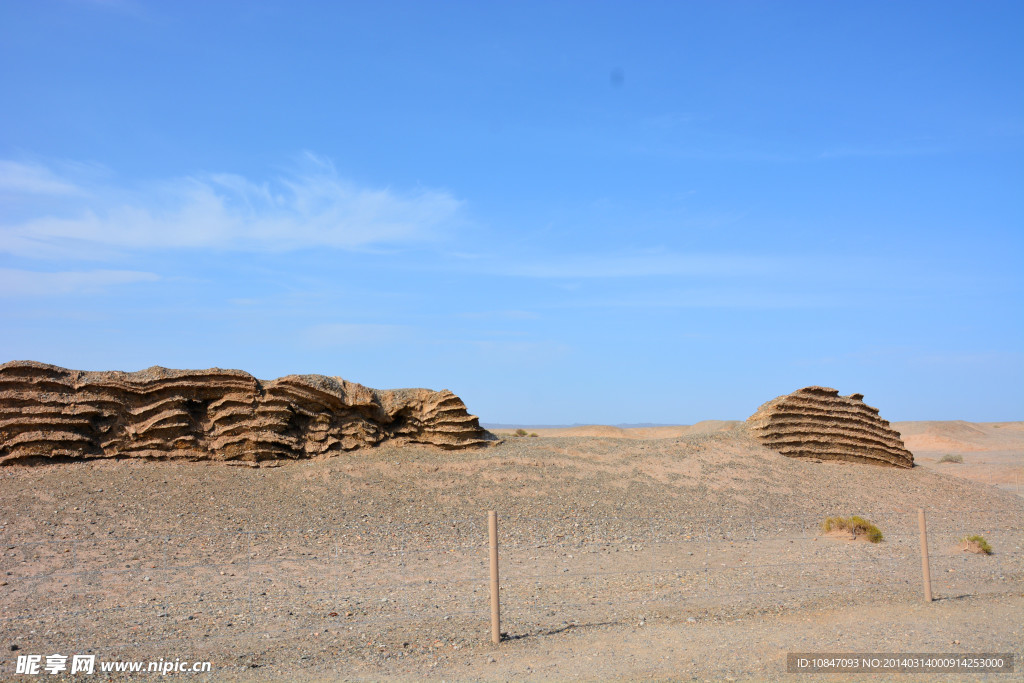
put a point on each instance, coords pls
(925, 571)
(492, 527)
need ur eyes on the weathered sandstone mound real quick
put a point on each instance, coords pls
(816, 422)
(50, 412)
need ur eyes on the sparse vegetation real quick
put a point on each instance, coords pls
(977, 544)
(949, 457)
(520, 432)
(855, 525)
(533, 434)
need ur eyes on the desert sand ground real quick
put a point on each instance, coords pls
(992, 452)
(667, 555)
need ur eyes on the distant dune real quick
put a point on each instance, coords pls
(329, 564)
(958, 435)
(647, 432)
(992, 452)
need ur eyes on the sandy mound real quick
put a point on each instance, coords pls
(375, 565)
(991, 452)
(816, 422)
(227, 415)
(662, 432)
(960, 436)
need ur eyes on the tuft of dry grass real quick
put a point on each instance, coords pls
(948, 457)
(856, 525)
(976, 544)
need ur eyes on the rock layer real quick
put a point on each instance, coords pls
(51, 412)
(816, 422)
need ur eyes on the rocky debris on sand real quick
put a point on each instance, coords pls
(49, 412)
(818, 423)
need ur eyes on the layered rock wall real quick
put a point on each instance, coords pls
(51, 412)
(816, 422)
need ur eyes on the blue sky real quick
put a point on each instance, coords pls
(564, 212)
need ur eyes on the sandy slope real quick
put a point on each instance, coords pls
(960, 437)
(665, 432)
(373, 565)
(992, 452)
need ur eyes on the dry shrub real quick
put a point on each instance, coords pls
(976, 544)
(855, 525)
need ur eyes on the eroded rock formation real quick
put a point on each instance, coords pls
(50, 412)
(816, 422)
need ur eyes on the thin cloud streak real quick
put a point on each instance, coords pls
(332, 335)
(34, 179)
(754, 298)
(911, 355)
(878, 152)
(500, 315)
(642, 265)
(314, 208)
(28, 283)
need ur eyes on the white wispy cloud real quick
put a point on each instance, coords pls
(124, 7)
(755, 297)
(500, 315)
(524, 352)
(869, 151)
(308, 208)
(918, 356)
(28, 283)
(352, 334)
(18, 178)
(642, 264)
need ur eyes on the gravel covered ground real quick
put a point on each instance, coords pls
(690, 557)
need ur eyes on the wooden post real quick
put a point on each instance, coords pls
(924, 557)
(492, 525)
